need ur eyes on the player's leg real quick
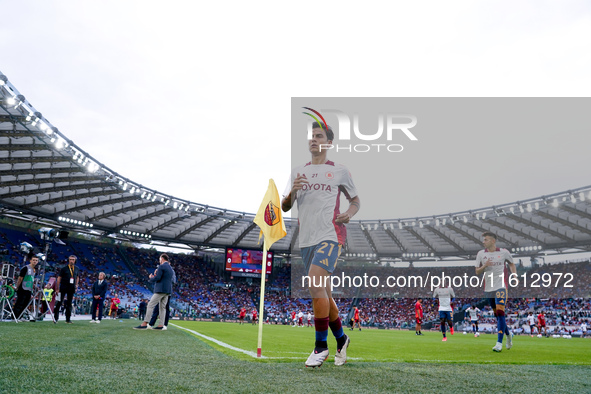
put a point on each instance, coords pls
(442, 324)
(492, 301)
(320, 263)
(336, 327)
(450, 324)
(321, 308)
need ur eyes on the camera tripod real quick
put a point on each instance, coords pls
(37, 298)
(6, 292)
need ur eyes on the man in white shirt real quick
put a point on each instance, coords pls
(492, 263)
(445, 296)
(531, 320)
(316, 187)
(472, 313)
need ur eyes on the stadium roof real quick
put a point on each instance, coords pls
(45, 176)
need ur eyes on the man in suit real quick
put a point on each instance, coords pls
(99, 292)
(162, 279)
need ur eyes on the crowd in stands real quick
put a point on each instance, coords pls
(204, 290)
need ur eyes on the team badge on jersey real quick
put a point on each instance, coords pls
(329, 175)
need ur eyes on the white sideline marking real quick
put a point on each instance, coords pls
(218, 342)
(247, 352)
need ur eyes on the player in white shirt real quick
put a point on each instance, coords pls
(492, 263)
(309, 318)
(583, 329)
(472, 313)
(301, 319)
(531, 320)
(316, 187)
(445, 296)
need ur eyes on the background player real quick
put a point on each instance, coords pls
(542, 324)
(472, 313)
(491, 262)
(418, 316)
(316, 187)
(445, 296)
(356, 319)
(255, 316)
(531, 320)
(242, 315)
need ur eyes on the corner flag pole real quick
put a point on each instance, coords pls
(270, 221)
(262, 300)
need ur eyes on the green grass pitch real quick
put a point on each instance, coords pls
(111, 357)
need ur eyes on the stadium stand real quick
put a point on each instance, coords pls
(205, 291)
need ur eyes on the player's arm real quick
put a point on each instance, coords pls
(354, 205)
(298, 184)
(512, 267)
(480, 270)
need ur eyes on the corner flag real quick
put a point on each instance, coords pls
(270, 220)
(269, 217)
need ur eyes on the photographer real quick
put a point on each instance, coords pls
(67, 284)
(24, 285)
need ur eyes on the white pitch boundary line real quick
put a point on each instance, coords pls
(236, 349)
(218, 342)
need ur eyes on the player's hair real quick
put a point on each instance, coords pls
(31, 255)
(329, 132)
(70, 256)
(489, 234)
(165, 257)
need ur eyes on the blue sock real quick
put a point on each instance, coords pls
(474, 329)
(321, 336)
(443, 329)
(337, 328)
(501, 327)
(321, 327)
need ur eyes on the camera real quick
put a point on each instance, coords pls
(50, 234)
(25, 247)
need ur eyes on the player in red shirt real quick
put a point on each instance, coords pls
(242, 315)
(419, 316)
(542, 324)
(254, 316)
(114, 306)
(356, 319)
(293, 319)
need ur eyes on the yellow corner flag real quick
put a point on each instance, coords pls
(270, 220)
(269, 217)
